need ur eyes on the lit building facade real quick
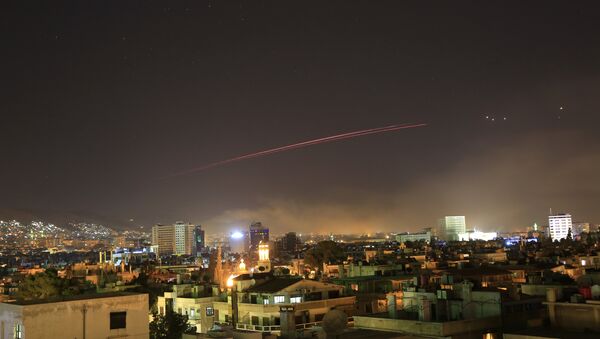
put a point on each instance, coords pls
(452, 226)
(477, 235)
(175, 239)
(420, 236)
(258, 233)
(559, 226)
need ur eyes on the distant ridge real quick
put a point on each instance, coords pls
(61, 219)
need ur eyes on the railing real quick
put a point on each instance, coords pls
(271, 328)
(308, 325)
(258, 328)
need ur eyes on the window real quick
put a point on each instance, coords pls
(210, 311)
(161, 310)
(266, 301)
(118, 320)
(295, 300)
(278, 299)
(192, 312)
(18, 331)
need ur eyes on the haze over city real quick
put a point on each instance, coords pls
(102, 104)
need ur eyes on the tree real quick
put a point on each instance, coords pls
(42, 285)
(47, 285)
(169, 326)
(323, 252)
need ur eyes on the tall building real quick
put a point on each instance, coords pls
(559, 226)
(199, 244)
(258, 233)
(290, 242)
(452, 226)
(177, 238)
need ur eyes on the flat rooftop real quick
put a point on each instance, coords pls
(75, 298)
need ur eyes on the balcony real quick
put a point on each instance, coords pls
(277, 328)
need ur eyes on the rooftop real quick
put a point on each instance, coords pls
(75, 298)
(274, 285)
(476, 271)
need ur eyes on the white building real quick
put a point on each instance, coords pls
(175, 239)
(94, 316)
(559, 226)
(452, 226)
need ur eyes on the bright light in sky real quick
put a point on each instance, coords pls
(237, 235)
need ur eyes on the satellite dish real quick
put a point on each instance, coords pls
(335, 322)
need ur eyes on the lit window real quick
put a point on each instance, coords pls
(210, 311)
(583, 262)
(295, 300)
(118, 320)
(192, 313)
(266, 301)
(278, 299)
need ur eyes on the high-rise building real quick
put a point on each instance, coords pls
(199, 244)
(175, 239)
(290, 242)
(559, 226)
(258, 233)
(452, 226)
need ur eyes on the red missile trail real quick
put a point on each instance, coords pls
(302, 144)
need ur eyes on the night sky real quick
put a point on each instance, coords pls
(103, 100)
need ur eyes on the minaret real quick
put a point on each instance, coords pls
(264, 264)
(218, 275)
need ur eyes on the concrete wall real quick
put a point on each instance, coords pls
(66, 319)
(574, 317)
(440, 329)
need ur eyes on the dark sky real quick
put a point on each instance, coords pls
(103, 99)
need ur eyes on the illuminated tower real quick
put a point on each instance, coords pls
(452, 226)
(264, 264)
